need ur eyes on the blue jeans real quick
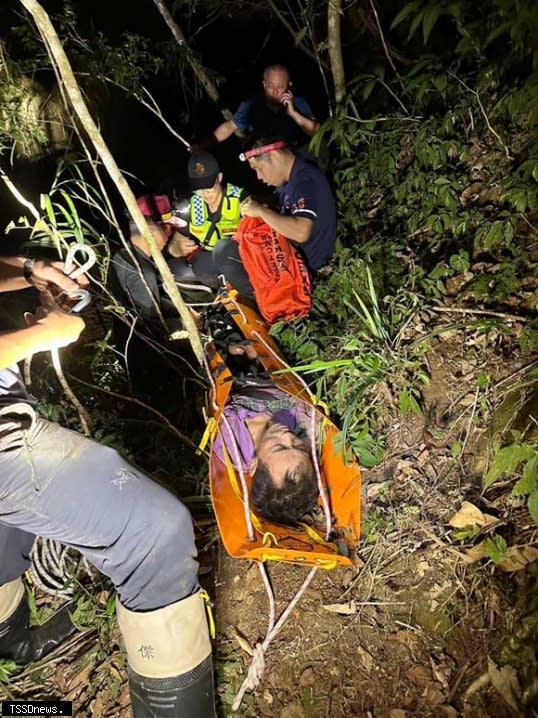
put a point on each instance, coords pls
(57, 484)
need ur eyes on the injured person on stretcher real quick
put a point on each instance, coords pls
(271, 431)
(302, 505)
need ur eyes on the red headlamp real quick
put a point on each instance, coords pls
(264, 149)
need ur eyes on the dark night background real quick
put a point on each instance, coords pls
(233, 49)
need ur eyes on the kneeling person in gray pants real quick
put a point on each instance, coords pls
(57, 484)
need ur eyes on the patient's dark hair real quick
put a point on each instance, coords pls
(285, 505)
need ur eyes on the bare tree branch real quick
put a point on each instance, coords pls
(60, 60)
(292, 32)
(387, 53)
(197, 67)
(334, 11)
(484, 114)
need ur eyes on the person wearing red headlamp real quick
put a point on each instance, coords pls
(306, 212)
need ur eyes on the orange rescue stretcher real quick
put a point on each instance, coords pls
(271, 542)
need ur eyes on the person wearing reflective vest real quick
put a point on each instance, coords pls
(207, 231)
(214, 215)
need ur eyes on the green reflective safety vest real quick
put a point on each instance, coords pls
(207, 232)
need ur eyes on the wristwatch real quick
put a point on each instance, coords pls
(27, 269)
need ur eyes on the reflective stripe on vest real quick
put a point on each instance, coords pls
(201, 226)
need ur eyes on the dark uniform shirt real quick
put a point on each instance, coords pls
(254, 116)
(307, 194)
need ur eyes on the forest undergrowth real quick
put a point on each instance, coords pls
(423, 341)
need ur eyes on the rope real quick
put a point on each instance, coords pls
(321, 486)
(257, 665)
(53, 567)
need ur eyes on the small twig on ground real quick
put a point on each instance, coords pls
(486, 312)
(464, 445)
(457, 682)
(476, 685)
(444, 546)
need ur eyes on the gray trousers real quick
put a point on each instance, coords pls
(57, 484)
(205, 267)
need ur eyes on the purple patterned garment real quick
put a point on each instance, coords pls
(267, 401)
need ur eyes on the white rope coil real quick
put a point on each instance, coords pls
(54, 567)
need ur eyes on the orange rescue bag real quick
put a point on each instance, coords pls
(276, 270)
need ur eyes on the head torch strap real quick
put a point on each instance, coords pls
(255, 151)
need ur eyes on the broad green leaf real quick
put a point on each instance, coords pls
(405, 12)
(7, 668)
(496, 548)
(431, 15)
(506, 462)
(46, 204)
(497, 32)
(532, 505)
(528, 482)
(414, 25)
(367, 89)
(74, 214)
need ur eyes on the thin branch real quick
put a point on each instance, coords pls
(60, 60)
(486, 312)
(83, 415)
(483, 111)
(391, 92)
(382, 36)
(197, 66)
(152, 106)
(292, 32)
(185, 439)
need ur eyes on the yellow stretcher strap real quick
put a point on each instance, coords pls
(209, 434)
(209, 610)
(269, 539)
(322, 405)
(313, 534)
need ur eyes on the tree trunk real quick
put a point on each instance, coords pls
(63, 67)
(197, 67)
(335, 49)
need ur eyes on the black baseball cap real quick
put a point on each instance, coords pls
(203, 170)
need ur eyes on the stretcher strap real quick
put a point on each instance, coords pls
(209, 610)
(208, 435)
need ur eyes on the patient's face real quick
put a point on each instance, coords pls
(280, 450)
